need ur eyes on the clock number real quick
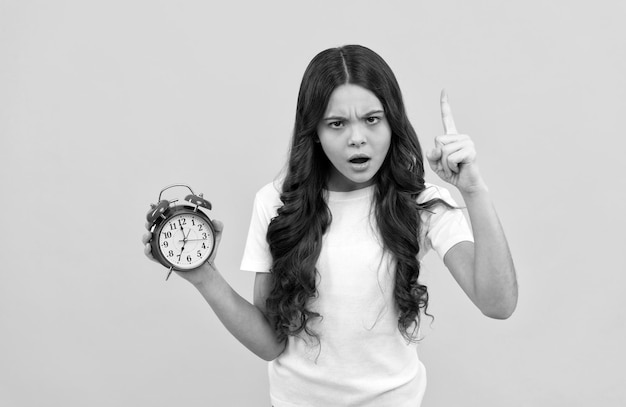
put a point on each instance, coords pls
(165, 244)
(167, 235)
(204, 235)
(199, 252)
(200, 228)
(173, 226)
(189, 258)
(170, 253)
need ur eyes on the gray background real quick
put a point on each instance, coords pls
(104, 103)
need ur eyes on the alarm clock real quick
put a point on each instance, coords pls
(183, 237)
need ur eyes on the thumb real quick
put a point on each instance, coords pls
(434, 155)
(218, 227)
(434, 159)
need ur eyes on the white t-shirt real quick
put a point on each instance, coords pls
(361, 358)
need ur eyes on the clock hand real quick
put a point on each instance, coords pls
(185, 237)
(185, 240)
(182, 229)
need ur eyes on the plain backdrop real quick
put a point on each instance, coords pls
(102, 104)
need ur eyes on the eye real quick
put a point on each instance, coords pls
(373, 119)
(336, 124)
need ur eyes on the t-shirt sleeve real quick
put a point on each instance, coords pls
(256, 255)
(444, 227)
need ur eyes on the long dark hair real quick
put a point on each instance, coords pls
(295, 234)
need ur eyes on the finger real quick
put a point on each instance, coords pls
(451, 138)
(442, 165)
(433, 157)
(466, 150)
(218, 227)
(445, 150)
(147, 250)
(449, 150)
(446, 114)
(449, 143)
(443, 160)
(460, 144)
(461, 152)
(146, 238)
(454, 160)
(460, 157)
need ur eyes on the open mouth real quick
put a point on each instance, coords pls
(359, 160)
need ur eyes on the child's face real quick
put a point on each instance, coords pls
(355, 135)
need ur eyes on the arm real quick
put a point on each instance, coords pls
(245, 321)
(483, 269)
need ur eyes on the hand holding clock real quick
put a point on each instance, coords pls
(182, 237)
(197, 275)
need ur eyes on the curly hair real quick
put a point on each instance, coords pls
(295, 234)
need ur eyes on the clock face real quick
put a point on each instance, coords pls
(186, 240)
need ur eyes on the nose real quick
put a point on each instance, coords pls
(357, 136)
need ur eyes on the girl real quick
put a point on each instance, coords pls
(336, 244)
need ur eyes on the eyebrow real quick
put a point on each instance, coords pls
(370, 113)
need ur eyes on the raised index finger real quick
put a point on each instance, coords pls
(446, 114)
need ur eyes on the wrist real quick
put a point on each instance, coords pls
(476, 188)
(206, 278)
